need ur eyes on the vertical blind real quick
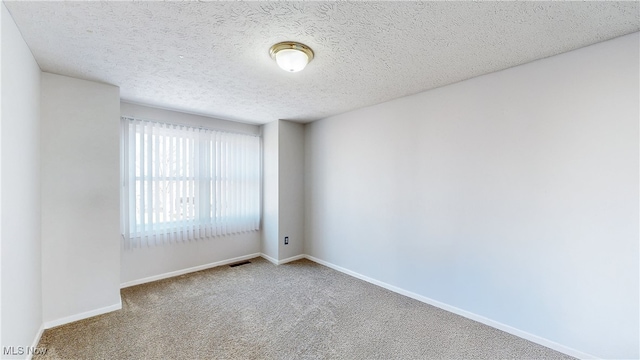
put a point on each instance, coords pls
(182, 183)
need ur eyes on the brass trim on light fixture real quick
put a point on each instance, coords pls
(291, 45)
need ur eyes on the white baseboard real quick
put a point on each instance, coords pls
(35, 342)
(84, 315)
(283, 261)
(293, 258)
(469, 315)
(188, 270)
(269, 258)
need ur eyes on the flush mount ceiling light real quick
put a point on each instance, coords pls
(291, 56)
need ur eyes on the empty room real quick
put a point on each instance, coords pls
(320, 180)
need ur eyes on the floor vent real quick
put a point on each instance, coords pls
(240, 263)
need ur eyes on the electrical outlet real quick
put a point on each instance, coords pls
(286, 240)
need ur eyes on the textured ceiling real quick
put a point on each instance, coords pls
(212, 58)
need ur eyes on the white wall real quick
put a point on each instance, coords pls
(80, 197)
(154, 261)
(512, 195)
(270, 190)
(291, 188)
(283, 190)
(20, 190)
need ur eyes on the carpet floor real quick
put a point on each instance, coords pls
(299, 310)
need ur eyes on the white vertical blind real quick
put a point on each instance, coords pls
(182, 183)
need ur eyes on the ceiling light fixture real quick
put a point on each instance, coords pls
(291, 56)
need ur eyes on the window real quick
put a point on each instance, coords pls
(182, 183)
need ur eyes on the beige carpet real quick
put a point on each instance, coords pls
(300, 310)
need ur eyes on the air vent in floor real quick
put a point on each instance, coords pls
(240, 263)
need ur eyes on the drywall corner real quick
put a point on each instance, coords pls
(80, 169)
(270, 190)
(291, 189)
